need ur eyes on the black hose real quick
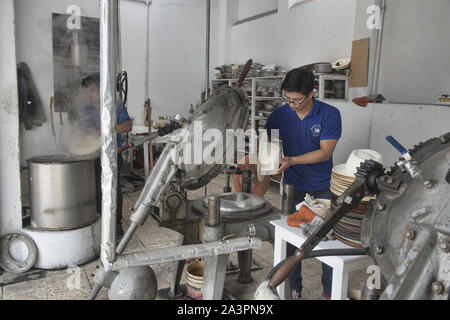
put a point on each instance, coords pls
(323, 253)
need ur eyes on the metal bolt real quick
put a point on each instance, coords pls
(381, 206)
(379, 250)
(437, 288)
(410, 234)
(390, 180)
(444, 246)
(429, 184)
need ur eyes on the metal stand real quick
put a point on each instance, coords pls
(175, 290)
(245, 257)
(214, 273)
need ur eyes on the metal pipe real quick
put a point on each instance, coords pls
(287, 204)
(247, 181)
(208, 39)
(108, 65)
(118, 38)
(213, 211)
(165, 255)
(378, 35)
(379, 46)
(147, 51)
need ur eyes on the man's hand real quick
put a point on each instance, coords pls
(123, 148)
(285, 164)
(325, 153)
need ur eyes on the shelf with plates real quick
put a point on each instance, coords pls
(331, 86)
(263, 92)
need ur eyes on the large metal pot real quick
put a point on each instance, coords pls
(62, 192)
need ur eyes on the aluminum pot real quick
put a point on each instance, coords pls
(62, 192)
(323, 67)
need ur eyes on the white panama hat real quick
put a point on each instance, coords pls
(354, 161)
(269, 156)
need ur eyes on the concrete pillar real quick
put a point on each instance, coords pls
(10, 193)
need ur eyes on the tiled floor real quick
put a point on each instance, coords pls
(57, 285)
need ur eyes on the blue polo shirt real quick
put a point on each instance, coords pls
(90, 119)
(303, 136)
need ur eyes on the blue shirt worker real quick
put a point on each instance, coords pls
(90, 120)
(310, 131)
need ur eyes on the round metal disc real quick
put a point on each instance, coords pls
(238, 202)
(11, 265)
(226, 109)
(234, 211)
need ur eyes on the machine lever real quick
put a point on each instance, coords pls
(397, 145)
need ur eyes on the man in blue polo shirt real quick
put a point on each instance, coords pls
(89, 120)
(310, 131)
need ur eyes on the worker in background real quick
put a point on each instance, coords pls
(310, 130)
(90, 120)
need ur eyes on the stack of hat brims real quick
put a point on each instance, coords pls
(348, 230)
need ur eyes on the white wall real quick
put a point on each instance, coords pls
(10, 193)
(416, 51)
(409, 124)
(320, 30)
(177, 54)
(177, 57)
(251, 8)
(368, 127)
(356, 124)
(312, 32)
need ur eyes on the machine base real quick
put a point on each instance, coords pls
(62, 249)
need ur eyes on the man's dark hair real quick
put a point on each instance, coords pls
(92, 79)
(299, 80)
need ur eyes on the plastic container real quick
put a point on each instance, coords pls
(194, 280)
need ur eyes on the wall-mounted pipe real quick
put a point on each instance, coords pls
(378, 36)
(208, 44)
(147, 51)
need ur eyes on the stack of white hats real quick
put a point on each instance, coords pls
(344, 174)
(348, 230)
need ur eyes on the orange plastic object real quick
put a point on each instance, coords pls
(304, 215)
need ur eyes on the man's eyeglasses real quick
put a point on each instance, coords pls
(294, 102)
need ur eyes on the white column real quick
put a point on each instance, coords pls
(10, 193)
(228, 10)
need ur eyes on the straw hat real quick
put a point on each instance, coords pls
(344, 174)
(348, 169)
(269, 157)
